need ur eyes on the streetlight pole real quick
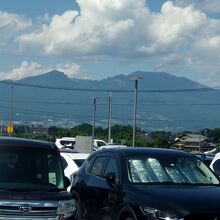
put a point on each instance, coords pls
(110, 117)
(10, 125)
(11, 104)
(94, 115)
(136, 79)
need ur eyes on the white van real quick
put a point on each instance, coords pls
(69, 142)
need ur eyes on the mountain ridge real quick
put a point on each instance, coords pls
(161, 104)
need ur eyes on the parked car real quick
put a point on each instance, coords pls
(64, 142)
(146, 184)
(69, 142)
(32, 182)
(215, 164)
(71, 160)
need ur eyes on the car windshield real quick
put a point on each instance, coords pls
(24, 169)
(182, 170)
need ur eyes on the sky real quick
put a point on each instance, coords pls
(96, 39)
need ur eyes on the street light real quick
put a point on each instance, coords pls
(109, 117)
(136, 79)
(94, 115)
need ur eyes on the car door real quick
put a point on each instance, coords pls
(105, 197)
(111, 193)
(93, 185)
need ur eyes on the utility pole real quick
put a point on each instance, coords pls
(11, 103)
(94, 118)
(10, 125)
(1, 127)
(109, 117)
(136, 79)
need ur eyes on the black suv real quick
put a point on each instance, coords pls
(32, 182)
(145, 183)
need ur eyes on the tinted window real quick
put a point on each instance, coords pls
(25, 169)
(66, 143)
(65, 164)
(100, 143)
(112, 168)
(216, 167)
(98, 166)
(89, 164)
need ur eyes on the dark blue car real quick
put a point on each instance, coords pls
(146, 184)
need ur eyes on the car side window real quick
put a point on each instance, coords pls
(99, 166)
(216, 167)
(89, 164)
(65, 164)
(112, 168)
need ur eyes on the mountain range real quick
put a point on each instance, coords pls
(164, 101)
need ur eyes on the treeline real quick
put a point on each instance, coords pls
(121, 134)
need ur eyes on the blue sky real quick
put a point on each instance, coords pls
(97, 39)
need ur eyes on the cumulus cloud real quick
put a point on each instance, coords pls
(118, 28)
(28, 69)
(209, 6)
(128, 29)
(172, 28)
(102, 27)
(11, 25)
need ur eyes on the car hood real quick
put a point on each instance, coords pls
(37, 195)
(181, 199)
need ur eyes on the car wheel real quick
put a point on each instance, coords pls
(78, 215)
(129, 218)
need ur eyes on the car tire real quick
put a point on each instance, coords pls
(129, 218)
(78, 215)
(127, 213)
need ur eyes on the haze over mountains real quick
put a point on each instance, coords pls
(164, 101)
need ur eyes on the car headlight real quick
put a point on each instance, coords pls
(66, 208)
(155, 214)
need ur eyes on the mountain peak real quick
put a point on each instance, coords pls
(53, 75)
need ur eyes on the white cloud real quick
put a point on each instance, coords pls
(209, 6)
(11, 25)
(28, 69)
(128, 29)
(118, 28)
(71, 70)
(103, 27)
(172, 28)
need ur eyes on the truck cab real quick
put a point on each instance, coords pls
(32, 182)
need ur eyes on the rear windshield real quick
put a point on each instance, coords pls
(24, 168)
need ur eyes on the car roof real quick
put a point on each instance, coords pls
(129, 151)
(67, 138)
(68, 150)
(26, 143)
(76, 155)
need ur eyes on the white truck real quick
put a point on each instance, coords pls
(83, 144)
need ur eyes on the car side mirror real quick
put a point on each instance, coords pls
(110, 178)
(66, 182)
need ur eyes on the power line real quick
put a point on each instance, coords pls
(115, 104)
(205, 89)
(50, 114)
